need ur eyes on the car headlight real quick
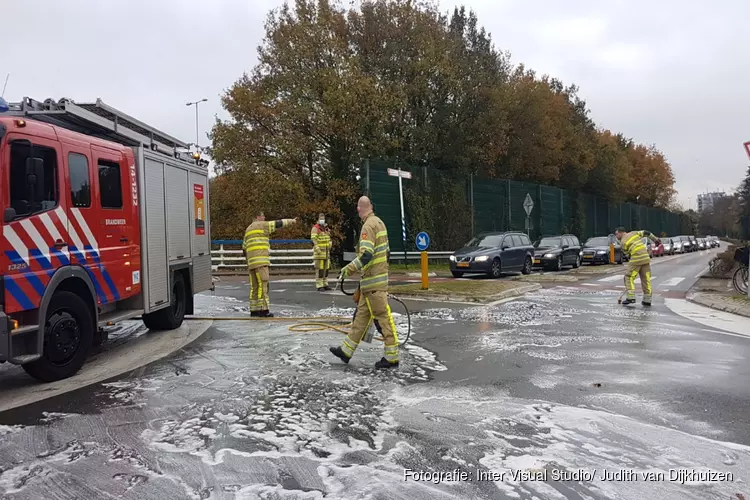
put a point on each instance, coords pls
(580, 254)
(548, 255)
(452, 258)
(481, 258)
(601, 252)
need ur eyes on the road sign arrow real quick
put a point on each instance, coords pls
(528, 204)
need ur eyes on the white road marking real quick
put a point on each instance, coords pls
(589, 284)
(739, 326)
(611, 278)
(672, 282)
(702, 272)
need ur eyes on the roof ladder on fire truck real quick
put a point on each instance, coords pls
(99, 120)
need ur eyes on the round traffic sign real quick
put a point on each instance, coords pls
(423, 241)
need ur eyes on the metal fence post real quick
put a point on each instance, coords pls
(596, 225)
(367, 177)
(540, 213)
(471, 201)
(510, 218)
(561, 219)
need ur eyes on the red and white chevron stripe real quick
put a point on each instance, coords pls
(42, 231)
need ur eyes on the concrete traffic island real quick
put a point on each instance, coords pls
(718, 293)
(113, 360)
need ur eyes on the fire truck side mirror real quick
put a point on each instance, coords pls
(9, 215)
(35, 179)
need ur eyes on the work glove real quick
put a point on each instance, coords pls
(342, 275)
(658, 242)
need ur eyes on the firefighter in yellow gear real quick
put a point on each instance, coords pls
(321, 238)
(257, 251)
(639, 262)
(372, 261)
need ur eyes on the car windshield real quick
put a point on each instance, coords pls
(602, 241)
(486, 240)
(548, 242)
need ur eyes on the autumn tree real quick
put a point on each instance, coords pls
(400, 80)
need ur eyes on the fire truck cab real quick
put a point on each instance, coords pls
(104, 219)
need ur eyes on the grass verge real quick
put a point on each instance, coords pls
(474, 290)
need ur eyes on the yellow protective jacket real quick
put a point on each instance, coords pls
(372, 255)
(256, 245)
(635, 248)
(321, 238)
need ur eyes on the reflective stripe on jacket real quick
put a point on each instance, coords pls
(256, 244)
(635, 248)
(321, 238)
(373, 240)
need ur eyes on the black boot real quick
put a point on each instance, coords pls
(627, 302)
(322, 289)
(265, 314)
(384, 363)
(646, 304)
(254, 314)
(339, 353)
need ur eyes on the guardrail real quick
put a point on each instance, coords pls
(224, 258)
(231, 258)
(399, 256)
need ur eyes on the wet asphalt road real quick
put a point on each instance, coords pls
(563, 379)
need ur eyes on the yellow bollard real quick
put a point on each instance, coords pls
(611, 253)
(425, 271)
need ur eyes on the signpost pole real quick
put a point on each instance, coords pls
(403, 219)
(528, 206)
(397, 172)
(423, 242)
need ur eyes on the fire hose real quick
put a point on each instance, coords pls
(317, 323)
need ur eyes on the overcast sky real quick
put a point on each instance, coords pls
(669, 73)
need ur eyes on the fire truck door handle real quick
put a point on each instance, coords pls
(123, 240)
(60, 244)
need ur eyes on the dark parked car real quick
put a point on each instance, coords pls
(596, 250)
(494, 254)
(555, 252)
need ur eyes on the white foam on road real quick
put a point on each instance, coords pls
(737, 325)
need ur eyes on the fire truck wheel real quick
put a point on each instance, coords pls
(171, 317)
(68, 336)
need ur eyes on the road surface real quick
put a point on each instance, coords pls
(562, 382)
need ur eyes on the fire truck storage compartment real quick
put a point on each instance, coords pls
(170, 232)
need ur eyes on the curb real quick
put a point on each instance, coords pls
(690, 297)
(513, 292)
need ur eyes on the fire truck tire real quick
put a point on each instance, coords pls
(68, 336)
(171, 317)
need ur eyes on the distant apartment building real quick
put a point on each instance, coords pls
(707, 200)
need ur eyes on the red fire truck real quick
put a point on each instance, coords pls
(105, 218)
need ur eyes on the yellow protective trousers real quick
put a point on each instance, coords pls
(634, 270)
(321, 272)
(259, 300)
(373, 306)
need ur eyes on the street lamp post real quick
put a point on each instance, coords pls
(197, 146)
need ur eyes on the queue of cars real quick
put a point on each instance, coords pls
(497, 253)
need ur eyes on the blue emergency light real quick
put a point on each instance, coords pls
(3, 105)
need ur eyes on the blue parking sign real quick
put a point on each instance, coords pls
(423, 241)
